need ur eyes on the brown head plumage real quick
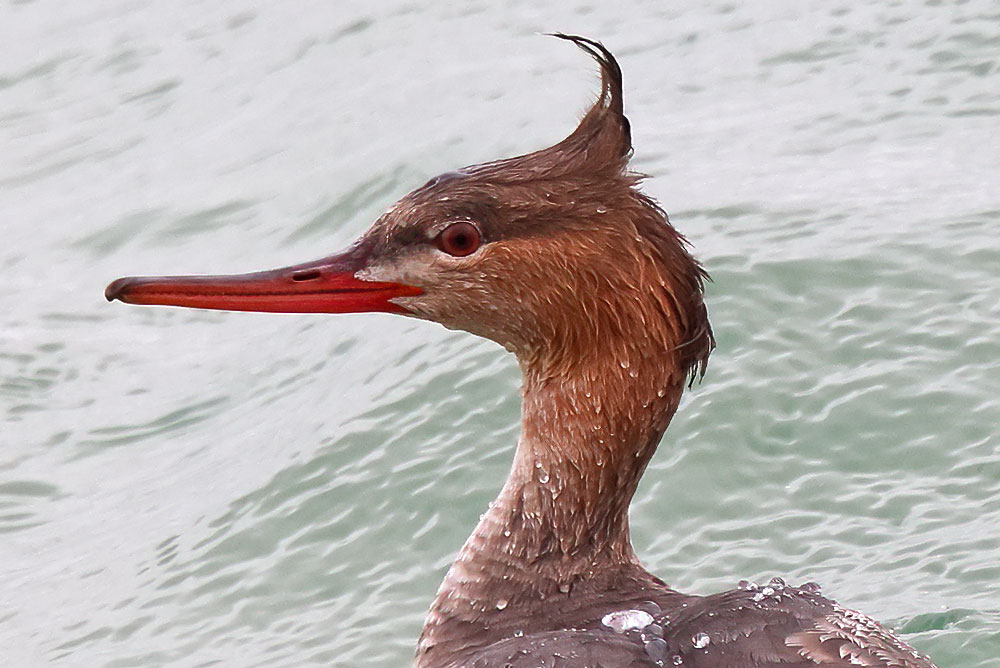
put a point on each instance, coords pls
(573, 257)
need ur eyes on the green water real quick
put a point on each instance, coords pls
(190, 489)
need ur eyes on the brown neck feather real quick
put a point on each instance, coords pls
(558, 532)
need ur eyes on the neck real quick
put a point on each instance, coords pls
(560, 523)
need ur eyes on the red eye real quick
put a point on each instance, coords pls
(459, 239)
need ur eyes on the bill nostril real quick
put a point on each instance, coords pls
(306, 275)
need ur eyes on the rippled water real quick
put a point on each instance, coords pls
(189, 488)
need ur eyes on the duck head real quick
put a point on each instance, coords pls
(555, 255)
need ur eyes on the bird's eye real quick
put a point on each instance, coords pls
(459, 239)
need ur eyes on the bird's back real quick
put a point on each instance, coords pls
(753, 626)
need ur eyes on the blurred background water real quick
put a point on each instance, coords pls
(183, 488)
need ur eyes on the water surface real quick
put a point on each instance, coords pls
(182, 488)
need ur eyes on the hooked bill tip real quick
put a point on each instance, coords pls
(115, 289)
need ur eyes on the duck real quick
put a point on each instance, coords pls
(560, 258)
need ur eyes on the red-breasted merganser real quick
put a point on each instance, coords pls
(557, 256)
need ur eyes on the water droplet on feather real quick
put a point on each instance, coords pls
(627, 620)
(655, 649)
